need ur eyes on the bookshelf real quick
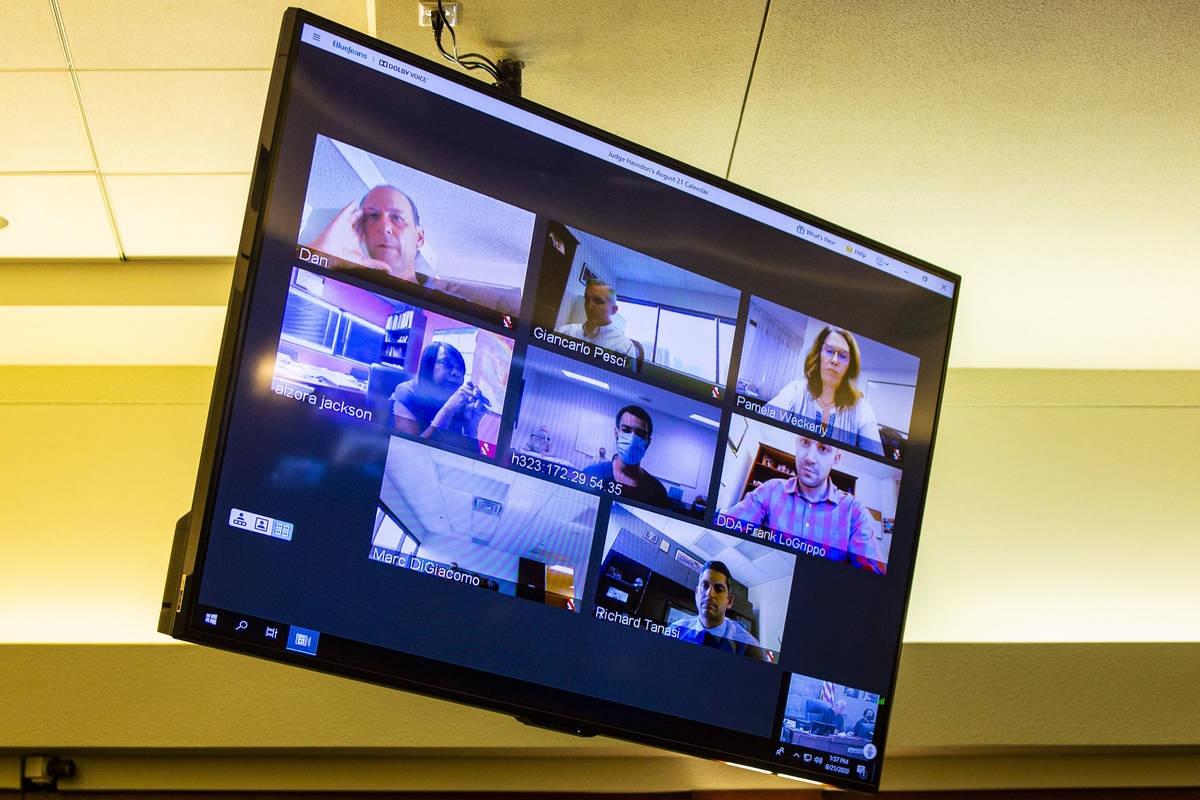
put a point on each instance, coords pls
(771, 462)
(403, 326)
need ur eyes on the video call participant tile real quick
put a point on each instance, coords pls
(482, 526)
(803, 493)
(607, 432)
(401, 228)
(827, 717)
(628, 311)
(817, 377)
(702, 588)
(361, 356)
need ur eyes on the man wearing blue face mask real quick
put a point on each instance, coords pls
(633, 437)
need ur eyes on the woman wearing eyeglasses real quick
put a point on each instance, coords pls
(829, 397)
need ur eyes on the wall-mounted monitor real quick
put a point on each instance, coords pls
(514, 412)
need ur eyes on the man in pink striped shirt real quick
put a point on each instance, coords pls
(830, 522)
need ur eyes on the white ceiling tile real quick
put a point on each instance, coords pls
(164, 34)
(48, 136)
(175, 121)
(776, 565)
(710, 544)
(54, 216)
(669, 75)
(512, 532)
(457, 509)
(748, 574)
(30, 37)
(179, 215)
(1045, 151)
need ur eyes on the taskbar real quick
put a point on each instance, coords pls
(272, 634)
(841, 758)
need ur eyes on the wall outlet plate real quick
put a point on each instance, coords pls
(427, 8)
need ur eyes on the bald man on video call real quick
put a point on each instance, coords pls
(383, 232)
(599, 305)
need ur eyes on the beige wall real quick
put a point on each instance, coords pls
(1060, 502)
(968, 716)
(1059, 512)
(1060, 506)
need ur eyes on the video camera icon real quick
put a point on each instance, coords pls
(303, 640)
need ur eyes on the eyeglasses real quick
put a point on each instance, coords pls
(840, 355)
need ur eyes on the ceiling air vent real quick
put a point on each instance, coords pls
(486, 506)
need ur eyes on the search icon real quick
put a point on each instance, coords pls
(241, 626)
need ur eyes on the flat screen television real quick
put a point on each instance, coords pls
(516, 413)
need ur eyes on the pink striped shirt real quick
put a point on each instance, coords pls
(838, 523)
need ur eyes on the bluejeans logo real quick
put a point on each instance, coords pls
(302, 640)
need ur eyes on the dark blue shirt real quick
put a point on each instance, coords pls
(649, 489)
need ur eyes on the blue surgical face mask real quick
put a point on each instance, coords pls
(630, 447)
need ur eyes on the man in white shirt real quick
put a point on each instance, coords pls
(710, 627)
(599, 304)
